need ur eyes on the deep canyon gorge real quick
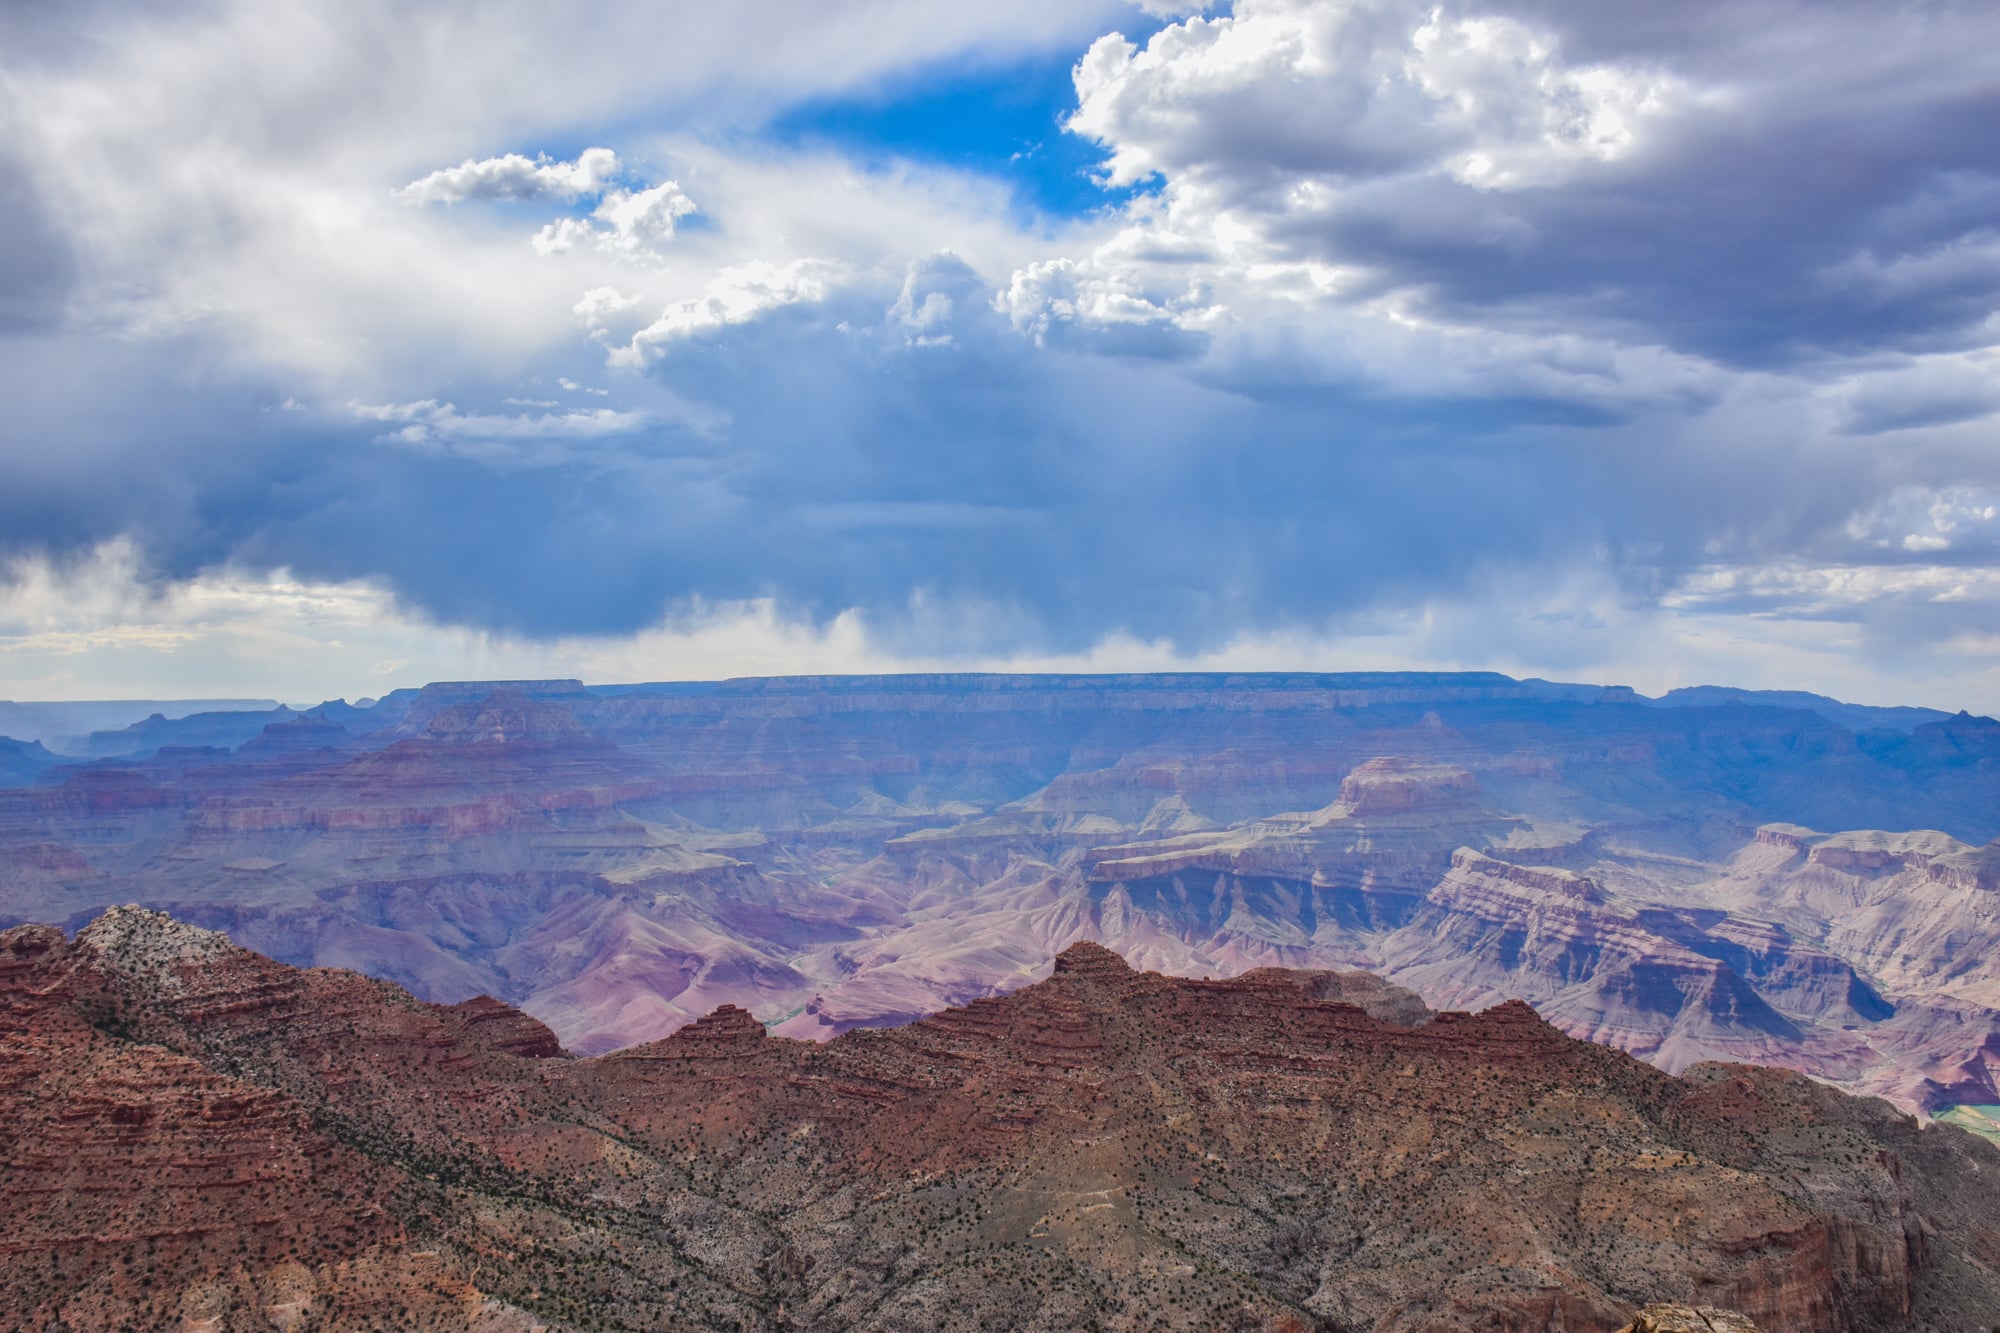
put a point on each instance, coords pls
(1398, 1001)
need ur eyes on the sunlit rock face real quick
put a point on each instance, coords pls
(1688, 1319)
(201, 1137)
(1786, 883)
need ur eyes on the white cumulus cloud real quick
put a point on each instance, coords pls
(736, 295)
(631, 224)
(512, 176)
(1518, 115)
(601, 306)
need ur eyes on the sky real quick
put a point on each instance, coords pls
(347, 346)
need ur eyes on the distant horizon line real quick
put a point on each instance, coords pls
(253, 703)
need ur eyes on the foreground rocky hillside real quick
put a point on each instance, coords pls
(201, 1138)
(1714, 876)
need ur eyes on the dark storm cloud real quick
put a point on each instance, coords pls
(1078, 492)
(37, 264)
(1022, 494)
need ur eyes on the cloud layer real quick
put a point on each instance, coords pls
(1575, 335)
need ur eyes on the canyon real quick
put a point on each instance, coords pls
(205, 1139)
(1714, 875)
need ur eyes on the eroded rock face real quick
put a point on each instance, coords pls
(207, 1135)
(1393, 785)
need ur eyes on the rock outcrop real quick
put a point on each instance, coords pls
(1688, 1319)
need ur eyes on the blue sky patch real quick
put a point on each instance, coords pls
(1002, 121)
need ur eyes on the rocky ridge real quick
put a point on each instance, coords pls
(210, 1139)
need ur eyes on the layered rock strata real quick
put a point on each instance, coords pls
(210, 1139)
(831, 853)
